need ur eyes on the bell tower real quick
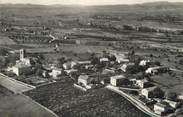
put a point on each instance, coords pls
(22, 54)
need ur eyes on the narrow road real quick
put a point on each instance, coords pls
(134, 101)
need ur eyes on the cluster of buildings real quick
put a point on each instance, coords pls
(146, 91)
(88, 77)
(150, 95)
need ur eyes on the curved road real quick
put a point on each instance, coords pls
(133, 101)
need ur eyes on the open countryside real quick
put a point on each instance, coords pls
(91, 61)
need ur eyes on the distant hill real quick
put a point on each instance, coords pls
(156, 11)
(105, 8)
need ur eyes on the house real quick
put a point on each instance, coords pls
(85, 81)
(119, 80)
(144, 62)
(69, 65)
(180, 97)
(173, 104)
(160, 108)
(125, 66)
(120, 57)
(143, 83)
(84, 62)
(56, 72)
(122, 60)
(70, 71)
(152, 92)
(104, 60)
(155, 70)
(152, 70)
(20, 69)
(89, 66)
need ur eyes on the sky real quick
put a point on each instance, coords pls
(83, 2)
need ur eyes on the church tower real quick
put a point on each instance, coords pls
(22, 54)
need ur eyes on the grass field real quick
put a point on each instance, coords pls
(12, 105)
(169, 83)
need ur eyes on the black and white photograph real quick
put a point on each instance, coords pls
(91, 58)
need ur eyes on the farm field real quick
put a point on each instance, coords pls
(6, 41)
(169, 83)
(65, 100)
